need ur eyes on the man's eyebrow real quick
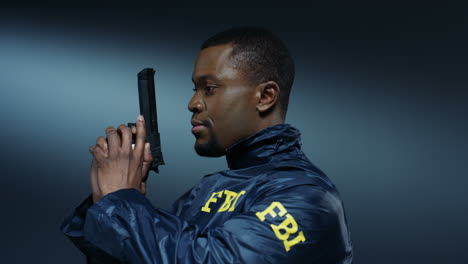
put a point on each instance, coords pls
(205, 76)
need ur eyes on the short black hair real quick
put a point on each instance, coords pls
(261, 55)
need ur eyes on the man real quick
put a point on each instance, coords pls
(272, 205)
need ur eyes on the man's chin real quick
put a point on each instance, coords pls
(208, 150)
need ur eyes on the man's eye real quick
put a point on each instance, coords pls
(209, 89)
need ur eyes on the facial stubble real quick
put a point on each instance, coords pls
(212, 148)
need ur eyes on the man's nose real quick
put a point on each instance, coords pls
(195, 104)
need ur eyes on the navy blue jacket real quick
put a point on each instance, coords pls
(272, 206)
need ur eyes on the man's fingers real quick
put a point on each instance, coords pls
(114, 141)
(102, 143)
(143, 187)
(126, 133)
(147, 156)
(140, 137)
(147, 160)
(98, 153)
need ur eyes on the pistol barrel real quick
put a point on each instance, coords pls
(147, 97)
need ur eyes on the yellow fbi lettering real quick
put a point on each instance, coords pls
(229, 204)
(286, 228)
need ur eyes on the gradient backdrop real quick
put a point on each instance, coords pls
(380, 97)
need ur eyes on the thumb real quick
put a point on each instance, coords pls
(147, 160)
(143, 187)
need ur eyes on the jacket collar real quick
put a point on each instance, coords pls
(261, 147)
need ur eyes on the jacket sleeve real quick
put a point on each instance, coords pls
(72, 227)
(278, 228)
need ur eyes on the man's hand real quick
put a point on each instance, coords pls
(116, 165)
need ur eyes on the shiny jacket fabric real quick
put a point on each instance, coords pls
(272, 206)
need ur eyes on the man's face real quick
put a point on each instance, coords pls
(223, 101)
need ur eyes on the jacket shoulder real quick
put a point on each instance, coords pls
(296, 172)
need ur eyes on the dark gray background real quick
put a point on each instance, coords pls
(380, 98)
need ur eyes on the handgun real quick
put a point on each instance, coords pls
(147, 96)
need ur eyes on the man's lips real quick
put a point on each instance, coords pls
(197, 129)
(197, 126)
(196, 122)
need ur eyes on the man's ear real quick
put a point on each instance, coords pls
(267, 95)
